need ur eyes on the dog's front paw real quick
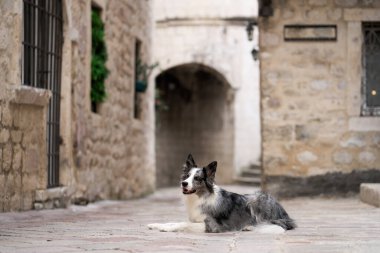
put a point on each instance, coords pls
(168, 227)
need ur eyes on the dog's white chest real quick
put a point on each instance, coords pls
(193, 206)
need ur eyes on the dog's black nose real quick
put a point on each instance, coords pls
(184, 184)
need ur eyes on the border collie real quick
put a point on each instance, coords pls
(214, 210)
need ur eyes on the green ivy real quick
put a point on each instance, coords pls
(99, 72)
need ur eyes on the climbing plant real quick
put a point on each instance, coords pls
(99, 71)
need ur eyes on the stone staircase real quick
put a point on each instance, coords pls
(250, 176)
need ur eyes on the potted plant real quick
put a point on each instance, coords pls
(143, 71)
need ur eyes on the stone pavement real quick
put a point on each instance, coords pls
(324, 225)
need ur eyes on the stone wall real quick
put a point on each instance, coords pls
(314, 139)
(22, 143)
(108, 154)
(22, 119)
(113, 151)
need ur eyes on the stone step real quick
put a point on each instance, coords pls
(370, 193)
(251, 173)
(250, 180)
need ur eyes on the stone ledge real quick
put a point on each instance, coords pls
(364, 124)
(329, 184)
(58, 197)
(370, 193)
(360, 14)
(30, 96)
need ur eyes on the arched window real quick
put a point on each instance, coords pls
(42, 53)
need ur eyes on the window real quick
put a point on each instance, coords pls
(371, 69)
(137, 96)
(42, 50)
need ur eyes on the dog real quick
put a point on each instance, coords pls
(212, 209)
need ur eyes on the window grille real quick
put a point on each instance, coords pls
(137, 97)
(42, 50)
(371, 69)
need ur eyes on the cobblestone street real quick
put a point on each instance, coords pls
(324, 225)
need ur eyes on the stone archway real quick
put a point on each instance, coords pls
(198, 120)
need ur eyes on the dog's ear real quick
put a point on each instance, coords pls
(189, 164)
(211, 170)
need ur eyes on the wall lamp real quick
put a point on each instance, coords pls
(255, 54)
(250, 28)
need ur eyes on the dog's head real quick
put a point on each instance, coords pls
(196, 179)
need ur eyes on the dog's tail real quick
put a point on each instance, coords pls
(265, 208)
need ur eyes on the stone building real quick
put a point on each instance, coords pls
(319, 65)
(56, 145)
(209, 83)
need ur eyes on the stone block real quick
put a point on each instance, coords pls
(17, 157)
(376, 139)
(49, 204)
(319, 85)
(357, 140)
(6, 117)
(7, 157)
(274, 102)
(57, 192)
(31, 96)
(342, 157)
(4, 38)
(370, 193)
(274, 162)
(346, 3)
(281, 133)
(360, 14)
(270, 39)
(15, 202)
(29, 181)
(317, 2)
(4, 135)
(9, 185)
(2, 184)
(38, 206)
(40, 195)
(27, 202)
(335, 14)
(31, 161)
(305, 132)
(16, 136)
(286, 14)
(367, 157)
(316, 14)
(364, 124)
(306, 157)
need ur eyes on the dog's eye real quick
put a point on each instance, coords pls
(198, 178)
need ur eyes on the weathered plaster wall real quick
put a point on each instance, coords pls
(314, 140)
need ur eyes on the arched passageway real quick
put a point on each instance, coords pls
(195, 116)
